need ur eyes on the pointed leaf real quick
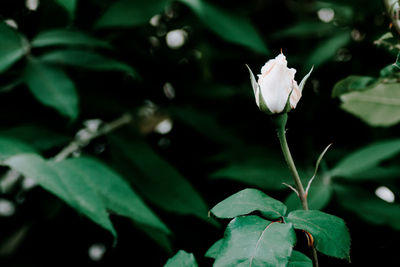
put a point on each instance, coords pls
(213, 251)
(86, 59)
(128, 13)
(65, 184)
(366, 158)
(327, 49)
(247, 201)
(158, 175)
(304, 29)
(114, 192)
(227, 25)
(182, 259)
(12, 46)
(65, 37)
(52, 87)
(298, 259)
(330, 232)
(377, 172)
(252, 241)
(321, 156)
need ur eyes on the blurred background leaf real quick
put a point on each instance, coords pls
(12, 47)
(191, 57)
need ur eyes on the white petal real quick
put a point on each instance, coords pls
(276, 82)
(276, 86)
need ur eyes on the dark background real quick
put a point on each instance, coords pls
(217, 84)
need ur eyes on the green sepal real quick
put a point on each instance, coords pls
(304, 80)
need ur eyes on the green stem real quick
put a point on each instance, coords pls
(280, 122)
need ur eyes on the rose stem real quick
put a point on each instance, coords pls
(280, 122)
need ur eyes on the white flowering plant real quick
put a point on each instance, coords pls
(129, 131)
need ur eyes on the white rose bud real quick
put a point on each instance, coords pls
(276, 90)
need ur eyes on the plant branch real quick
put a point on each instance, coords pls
(81, 141)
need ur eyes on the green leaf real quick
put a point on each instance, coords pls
(330, 232)
(376, 173)
(365, 158)
(12, 46)
(227, 25)
(377, 106)
(115, 193)
(88, 186)
(10, 146)
(368, 207)
(327, 49)
(66, 185)
(213, 251)
(267, 175)
(37, 136)
(305, 29)
(318, 197)
(352, 83)
(86, 59)
(69, 6)
(157, 175)
(247, 201)
(182, 259)
(298, 259)
(65, 37)
(52, 87)
(252, 241)
(130, 13)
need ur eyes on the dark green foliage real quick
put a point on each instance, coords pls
(247, 201)
(251, 240)
(330, 232)
(70, 61)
